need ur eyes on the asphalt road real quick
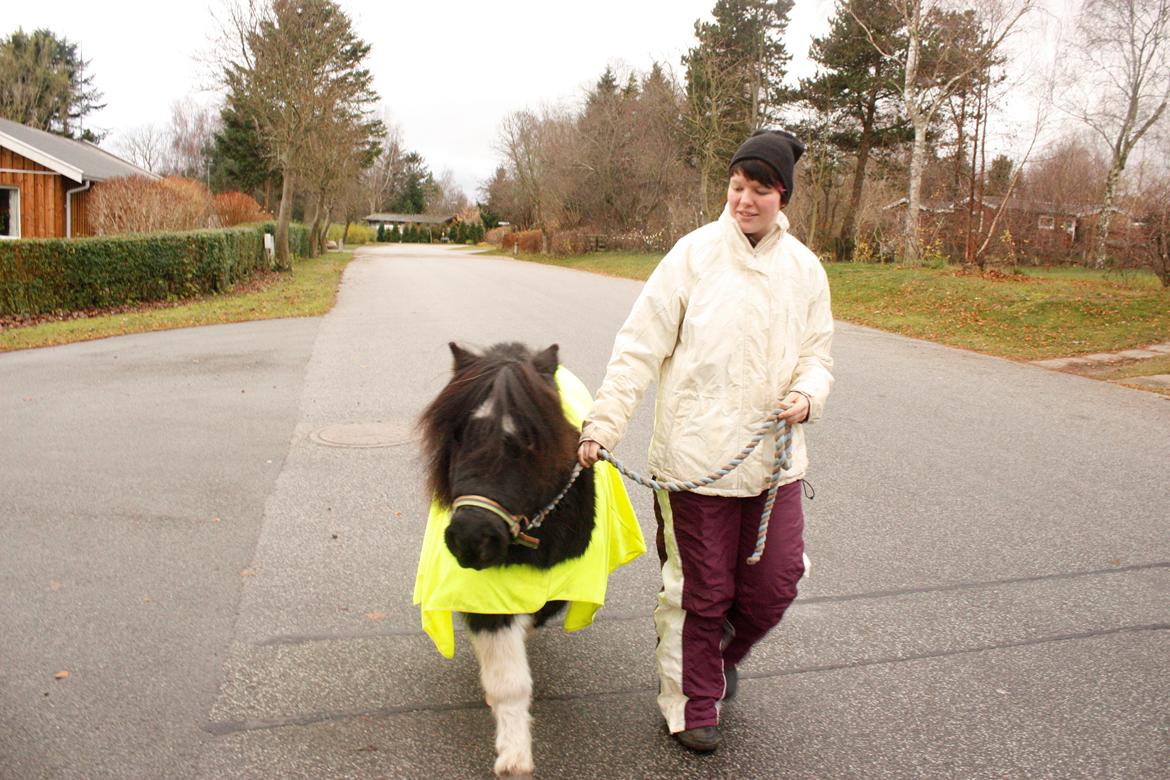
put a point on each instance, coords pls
(231, 597)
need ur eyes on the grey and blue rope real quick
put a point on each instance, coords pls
(782, 433)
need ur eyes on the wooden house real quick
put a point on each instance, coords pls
(45, 181)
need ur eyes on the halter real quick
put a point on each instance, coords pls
(518, 525)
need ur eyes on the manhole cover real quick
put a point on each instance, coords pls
(362, 435)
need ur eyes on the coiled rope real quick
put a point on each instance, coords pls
(782, 434)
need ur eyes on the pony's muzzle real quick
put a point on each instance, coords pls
(477, 539)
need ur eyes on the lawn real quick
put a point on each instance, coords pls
(308, 291)
(1029, 315)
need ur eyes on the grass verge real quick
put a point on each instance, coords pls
(1030, 315)
(310, 290)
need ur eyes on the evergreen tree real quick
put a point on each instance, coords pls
(395, 236)
(381, 236)
(1000, 175)
(43, 84)
(240, 159)
(734, 85)
(412, 184)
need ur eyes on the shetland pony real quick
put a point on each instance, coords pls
(497, 432)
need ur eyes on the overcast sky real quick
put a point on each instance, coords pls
(447, 72)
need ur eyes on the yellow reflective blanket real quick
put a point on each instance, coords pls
(442, 586)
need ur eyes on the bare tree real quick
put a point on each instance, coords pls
(539, 154)
(932, 67)
(1124, 80)
(147, 147)
(379, 179)
(292, 65)
(191, 136)
(448, 197)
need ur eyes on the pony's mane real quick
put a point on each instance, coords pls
(505, 382)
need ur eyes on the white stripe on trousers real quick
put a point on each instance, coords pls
(669, 616)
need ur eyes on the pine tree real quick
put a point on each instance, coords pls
(856, 93)
(734, 85)
(43, 84)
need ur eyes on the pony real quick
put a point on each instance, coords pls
(497, 438)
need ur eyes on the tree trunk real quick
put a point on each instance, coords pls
(283, 258)
(914, 112)
(314, 234)
(969, 239)
(911, 251)
(848, 237)
(1106, 217)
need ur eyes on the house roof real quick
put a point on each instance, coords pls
(418, 219)
(76, 160)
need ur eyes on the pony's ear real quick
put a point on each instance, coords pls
(546, 362)
(463, 357)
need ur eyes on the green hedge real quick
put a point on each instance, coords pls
(298, 237)
(39, 276)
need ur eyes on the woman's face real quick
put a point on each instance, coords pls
(754, 205)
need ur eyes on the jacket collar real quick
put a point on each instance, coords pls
(752, 256)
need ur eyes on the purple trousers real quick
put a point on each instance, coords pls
(703, 545)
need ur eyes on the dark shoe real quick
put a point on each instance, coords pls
(703, 739)
(728, 635)
(730, 682)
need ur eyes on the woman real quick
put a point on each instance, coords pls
(734, 321)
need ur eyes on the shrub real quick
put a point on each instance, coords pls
(38, 276)
(571, 242)
(141, 205)
(357, 233)
(530, 241)
(298, 237)
(237, 208)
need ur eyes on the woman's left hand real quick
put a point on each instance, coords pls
(797, 410)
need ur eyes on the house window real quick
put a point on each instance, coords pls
(1046, 222)
(9, 213)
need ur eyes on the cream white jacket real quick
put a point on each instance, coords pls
(727, 330)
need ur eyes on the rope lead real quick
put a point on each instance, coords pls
(782, 436)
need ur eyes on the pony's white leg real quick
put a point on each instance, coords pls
(507, 686)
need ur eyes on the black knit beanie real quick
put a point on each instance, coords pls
(778, 149)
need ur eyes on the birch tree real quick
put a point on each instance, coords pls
(1124, 79)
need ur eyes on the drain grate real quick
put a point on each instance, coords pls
(363, 435)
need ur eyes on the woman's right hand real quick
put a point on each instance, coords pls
(588, 453)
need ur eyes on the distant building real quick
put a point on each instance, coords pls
(402, 220)
(45, 181)
(1041, 230)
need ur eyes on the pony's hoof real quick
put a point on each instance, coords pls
(514, 766)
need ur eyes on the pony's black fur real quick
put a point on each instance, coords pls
(497, 430)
